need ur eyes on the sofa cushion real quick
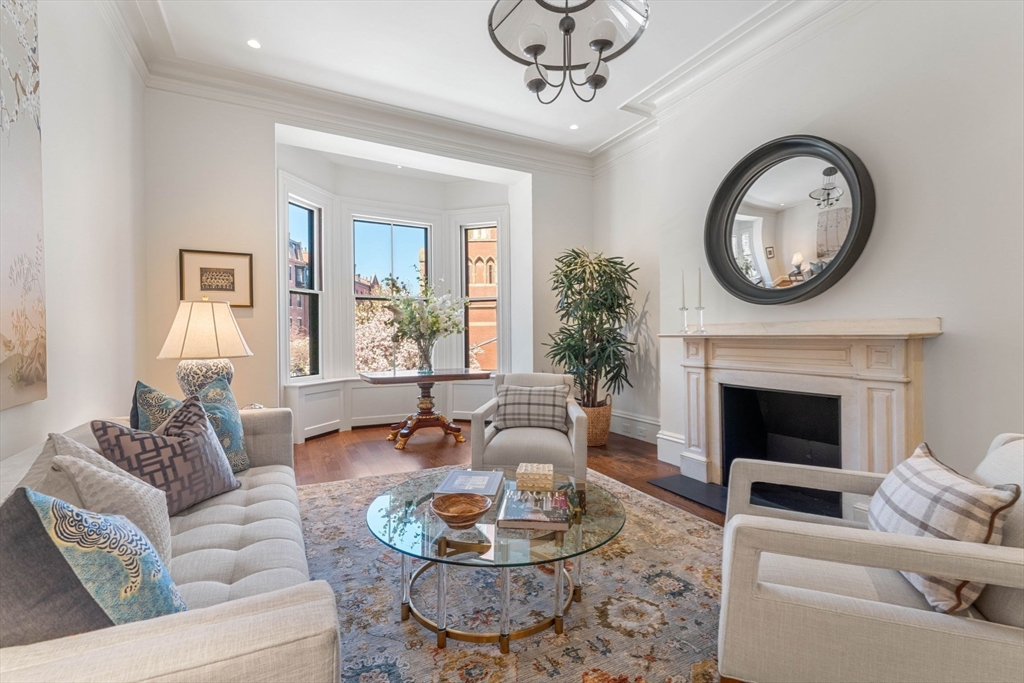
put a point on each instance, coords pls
(187, 462)
(69, 571)
(1005, 465)
(849, 580)
(509, 447)
(151, 408)
(241, 543)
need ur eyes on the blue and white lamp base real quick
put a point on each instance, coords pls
(195, 375)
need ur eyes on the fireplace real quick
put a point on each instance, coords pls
(783, 426)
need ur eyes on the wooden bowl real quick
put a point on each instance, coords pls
(460, 510)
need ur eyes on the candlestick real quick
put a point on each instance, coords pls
(700, 320)
(686, 324)
(700, 290)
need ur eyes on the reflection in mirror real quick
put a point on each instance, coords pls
(791, 223)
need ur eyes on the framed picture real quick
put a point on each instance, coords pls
(769, 252)
(216, 275)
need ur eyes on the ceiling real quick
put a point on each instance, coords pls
(789, 183)
(390, 169)
(431, 56)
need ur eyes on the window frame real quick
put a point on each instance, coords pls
(469, 278)
(293, 190)
(353, 218)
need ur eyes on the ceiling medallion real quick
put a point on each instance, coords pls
(520, 29)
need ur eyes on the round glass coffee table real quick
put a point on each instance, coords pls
(401, 519)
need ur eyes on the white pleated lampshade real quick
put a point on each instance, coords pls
(204, 329)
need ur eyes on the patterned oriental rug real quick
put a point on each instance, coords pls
(649, 612)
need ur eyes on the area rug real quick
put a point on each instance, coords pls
(649, 612)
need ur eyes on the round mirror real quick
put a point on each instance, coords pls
(789, 220)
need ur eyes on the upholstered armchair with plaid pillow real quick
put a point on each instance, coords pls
(533, 418)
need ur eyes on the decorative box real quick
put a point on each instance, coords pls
(535, 477)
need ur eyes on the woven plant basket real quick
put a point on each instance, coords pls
(599, 421)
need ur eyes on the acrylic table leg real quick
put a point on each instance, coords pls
(577, 582)
(559, 600)
(442, 604)
(504, 622)
(405, 588)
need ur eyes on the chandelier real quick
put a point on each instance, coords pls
(829, 193)
(596, 31)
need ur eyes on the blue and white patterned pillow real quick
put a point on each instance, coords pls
(151, 408)
(69, 571)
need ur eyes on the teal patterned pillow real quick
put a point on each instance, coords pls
(151, 408)
(69, 571)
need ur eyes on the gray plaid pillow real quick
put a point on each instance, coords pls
(532, 407)
(923, 497)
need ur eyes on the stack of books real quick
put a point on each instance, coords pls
(542, 510)
(470, 481)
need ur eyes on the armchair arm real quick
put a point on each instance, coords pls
(285, 635)
(747, 535)
(268, 436)
(477, 431)
(746, 472)
(577, 422)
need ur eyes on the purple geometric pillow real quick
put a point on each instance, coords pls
(186, 462)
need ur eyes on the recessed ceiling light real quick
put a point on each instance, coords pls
(253, 43)
(782, 204)
(398, 167)
(573, 127)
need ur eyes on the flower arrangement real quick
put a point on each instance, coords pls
(424, 319)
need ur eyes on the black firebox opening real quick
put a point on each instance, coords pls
(783, 426)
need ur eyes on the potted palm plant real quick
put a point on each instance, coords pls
(595, 301)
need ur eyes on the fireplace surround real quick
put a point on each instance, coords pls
(873, 367)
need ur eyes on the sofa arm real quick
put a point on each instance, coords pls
(268, 436)
(286, 635)
(748, 536)
(745, 472)
(477, 431)
(577, 421)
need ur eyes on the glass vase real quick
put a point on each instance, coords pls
(426, 364)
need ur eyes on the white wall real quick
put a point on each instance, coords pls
(92, 137)
(626, 225)
(929, 95)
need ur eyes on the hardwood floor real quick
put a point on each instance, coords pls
(365, 452)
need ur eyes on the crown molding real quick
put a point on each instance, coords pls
(141, 29)
(116, 21)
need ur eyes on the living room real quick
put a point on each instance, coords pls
(272, 271)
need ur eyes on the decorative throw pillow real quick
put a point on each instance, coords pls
(120, 493)
(68, 571)
(923, 497)
(57, 482)
(186, 462)
(151, 408)
(532, 407)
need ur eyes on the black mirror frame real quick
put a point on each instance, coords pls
(726, 202)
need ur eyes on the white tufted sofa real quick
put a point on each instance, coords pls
(240, 563)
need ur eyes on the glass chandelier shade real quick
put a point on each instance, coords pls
(566, 36)
(829, 193)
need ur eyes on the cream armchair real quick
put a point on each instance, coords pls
(808, 598)
(509, 447)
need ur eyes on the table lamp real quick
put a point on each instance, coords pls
(798, 260)
(204, 335)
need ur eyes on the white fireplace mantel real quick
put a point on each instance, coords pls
(873, 366)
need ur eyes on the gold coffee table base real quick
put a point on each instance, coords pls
(574, 595)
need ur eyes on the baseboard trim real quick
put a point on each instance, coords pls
(640, 427)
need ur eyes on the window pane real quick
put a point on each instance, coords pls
(372, 255)
(410, 263)
(375, 352)
(301, 231)
(481, 284)
(482, 335)
(303, 334)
